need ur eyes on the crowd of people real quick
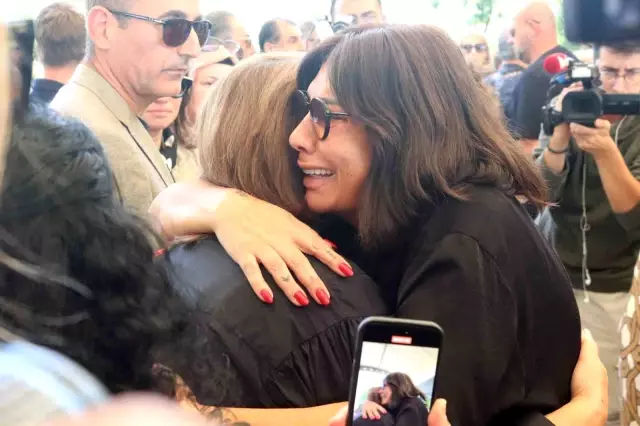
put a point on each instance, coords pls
(186, 214)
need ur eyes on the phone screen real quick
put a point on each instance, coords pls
(396, 360)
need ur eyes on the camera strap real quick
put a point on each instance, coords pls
(584, 222)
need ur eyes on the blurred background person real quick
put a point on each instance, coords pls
(357, 12)
(535, 36)
(280, 35)
(503, 81)
(310, 36)
(60, 47)
(225, 26)
(475, 50)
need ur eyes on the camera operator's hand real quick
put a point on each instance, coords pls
(596, 141)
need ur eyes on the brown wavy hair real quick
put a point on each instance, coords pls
(243, 131)
(433, 128)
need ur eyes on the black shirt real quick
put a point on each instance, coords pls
(44, 90)
(241, 352)
(481, 270)
(524, 112)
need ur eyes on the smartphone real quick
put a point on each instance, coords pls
(394, 358)
(22, 39)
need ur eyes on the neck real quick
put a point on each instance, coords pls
(156, 135)
(60, 74)
(541, 49)
(137, 103)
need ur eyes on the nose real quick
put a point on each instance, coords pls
(191, 48)
(304, 137)
(162, 101)
(620, 84)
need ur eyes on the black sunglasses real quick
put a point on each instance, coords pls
(318, 109)
(480, 47)
(175, 31)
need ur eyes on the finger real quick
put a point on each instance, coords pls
(252, 272)
(589, 349)
(321, 250)
(603, 124)
(307, 276)
(438, 414)
(276, 266)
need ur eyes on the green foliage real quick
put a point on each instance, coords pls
(484, 11)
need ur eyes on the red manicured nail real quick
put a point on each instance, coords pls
(266, 296)
(333, 245)
(323, 297)
(159, 253)
(301, 298)
(346, 270)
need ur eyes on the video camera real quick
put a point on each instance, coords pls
(593, 21)
(585, 106)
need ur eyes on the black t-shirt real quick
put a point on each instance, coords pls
(240, 352)
(481, 270)
(43, 90)
(524, 112)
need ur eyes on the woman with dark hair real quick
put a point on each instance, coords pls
(405, 154)
(400, 399)
(76, 269)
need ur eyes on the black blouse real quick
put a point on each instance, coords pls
(481, 270)
(241, 352)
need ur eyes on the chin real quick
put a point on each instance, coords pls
(317, 205)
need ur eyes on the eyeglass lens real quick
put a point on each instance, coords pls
(176, 31)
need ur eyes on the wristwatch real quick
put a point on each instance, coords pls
(554, 151)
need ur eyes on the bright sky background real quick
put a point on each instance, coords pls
(451, 15)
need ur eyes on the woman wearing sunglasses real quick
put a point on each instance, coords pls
(419, 190)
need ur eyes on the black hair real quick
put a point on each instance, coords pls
(77, 271)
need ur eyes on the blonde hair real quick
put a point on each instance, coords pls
(243, 131)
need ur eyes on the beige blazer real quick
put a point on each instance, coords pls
(139, 169)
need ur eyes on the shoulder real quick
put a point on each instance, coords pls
(487, 225)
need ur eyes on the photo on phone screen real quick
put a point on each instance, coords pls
(396, 369)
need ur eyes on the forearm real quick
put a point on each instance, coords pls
(579, 412)
(313, 416)
(621, 187)
(555, 162)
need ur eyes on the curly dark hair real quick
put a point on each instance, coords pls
(77, 271)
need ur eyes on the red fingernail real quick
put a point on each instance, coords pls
(159, 253)
(346, 270)
(301, 298)
(333, 245)
(323, 297)
(266, 296)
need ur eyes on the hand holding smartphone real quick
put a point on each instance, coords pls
(394, 373)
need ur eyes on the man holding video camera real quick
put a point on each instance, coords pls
(593, 175)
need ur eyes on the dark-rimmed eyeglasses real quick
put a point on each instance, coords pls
(213, 44)
(319, 110)
(479, 47)
(175, 31)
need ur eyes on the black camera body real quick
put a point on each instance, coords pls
(586, 106)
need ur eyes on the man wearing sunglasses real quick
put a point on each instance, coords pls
(534, 35)
(138, 51)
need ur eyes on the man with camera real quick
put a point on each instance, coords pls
(593, 175)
